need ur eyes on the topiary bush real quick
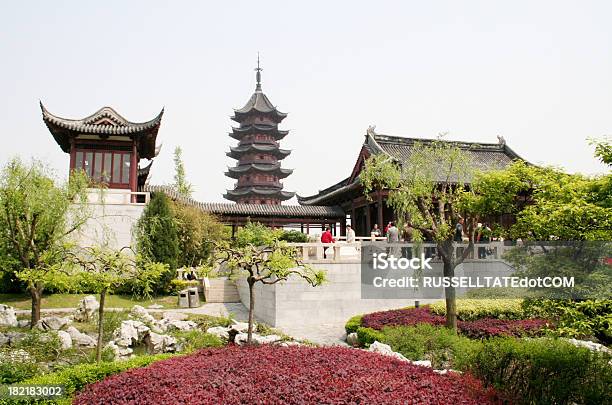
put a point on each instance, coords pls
(544, 371)
(285, 375)
(353, 324)
(472, 309)
(294, 237)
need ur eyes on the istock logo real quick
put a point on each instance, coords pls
(384, 261)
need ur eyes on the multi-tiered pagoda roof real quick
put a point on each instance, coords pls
(258, 169)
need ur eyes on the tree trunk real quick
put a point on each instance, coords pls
(100, 326)
(36, 295)
(449, 296)
(446, 250)
(251, 308)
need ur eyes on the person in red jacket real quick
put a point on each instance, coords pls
(326, 237)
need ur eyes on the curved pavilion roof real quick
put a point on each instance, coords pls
(258, 192)
(104, 122)
(239, 132)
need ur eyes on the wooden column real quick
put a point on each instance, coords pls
(72, 154)
(134, 169)
(380, 211)
(343, 227)
(368, 220)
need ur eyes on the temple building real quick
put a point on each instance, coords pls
(258, 170)
(348, 194)
(107, 146)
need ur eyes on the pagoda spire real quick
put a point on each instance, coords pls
(258, 75)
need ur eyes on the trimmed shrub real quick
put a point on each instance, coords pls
(367, 336)
(482, 328)
(273, 374)
(177, 285)
(75, 378)
(441, 346)
(582, 319)
(405, 316)
(544, 371)
(353, 324)
(487, 327)
(294, 237)
(472, 309)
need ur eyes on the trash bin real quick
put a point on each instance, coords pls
(183, 299)
(194, 297)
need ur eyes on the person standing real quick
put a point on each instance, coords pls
(350, 234)
(392, 233)
(459, 231)
(375, 233)
(326, 237)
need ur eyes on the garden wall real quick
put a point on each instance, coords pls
(295, 303)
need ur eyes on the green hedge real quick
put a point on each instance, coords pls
(367, 336)
(353, 324)
(472, 309)
(75, 378)
(544, 371)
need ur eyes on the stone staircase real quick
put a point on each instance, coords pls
(221, 290)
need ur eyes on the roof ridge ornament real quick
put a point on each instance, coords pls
(258, 75)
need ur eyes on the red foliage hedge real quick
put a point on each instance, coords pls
(481, 328)
(285, 375)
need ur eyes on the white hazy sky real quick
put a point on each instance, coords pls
(537, 72)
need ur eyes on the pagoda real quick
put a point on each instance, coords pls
(258, 169)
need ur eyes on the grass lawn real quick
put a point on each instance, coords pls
(23, 301)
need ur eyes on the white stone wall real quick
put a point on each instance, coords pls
(295, 303)
(112, 221)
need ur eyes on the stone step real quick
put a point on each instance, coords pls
(222, 290)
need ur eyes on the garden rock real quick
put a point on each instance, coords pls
(180, 325)
(80, 339)
(155, 306)
(175, 316)
(11, 338)
(65, 339)
(86, 309)
(352, 339)
(53, 323)
(141, 314)
(386, 350)
(592, 346)
(130, 332)
(24, 323)
(121, 353)
(242, 338)
(219, 331)
(8, 316)
(241, 327)
(157, 343)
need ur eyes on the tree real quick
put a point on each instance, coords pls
(37, 219)
(603, 150)
(105, 270)
(156, 232)
(195, 231)
(427, 192)
(182, 186)
(259, 254)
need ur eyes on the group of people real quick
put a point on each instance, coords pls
(392, 233)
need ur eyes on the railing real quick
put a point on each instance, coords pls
(342, 250)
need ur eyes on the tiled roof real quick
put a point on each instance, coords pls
(237, 151)
(484, 156)
(105, 121)
(237, 171)
(263, 210)
(259, 192)
(240, 132)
